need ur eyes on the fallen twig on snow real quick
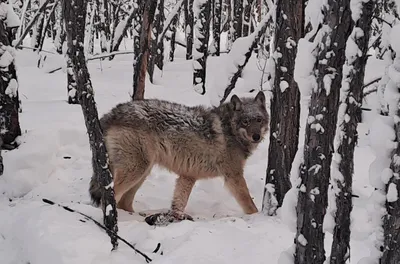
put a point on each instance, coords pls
(148, 260)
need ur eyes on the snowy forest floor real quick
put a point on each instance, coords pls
(53, 162)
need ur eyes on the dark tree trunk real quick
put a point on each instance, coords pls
(217, 14)
(71, 81)
(237, 19)
(104, 25)
(75, 14)
(38, 31)
(247, 16)
(189, 24)
(141, 61)
(46, 24)
(319, 133)
(285, 103)
(202, 33)
(137, 26)
(9, 98)
(35, 18)
(115, 8)
(258, 34)
(174, 24)
(156, 55)
(346, 136)
(134, 12)
(60, 31)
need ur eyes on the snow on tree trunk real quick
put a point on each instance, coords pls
(123, 26)
(156, 55)
(9, 98)
(60, 30)
(174, 25)
(104, 25)
(342, 168)
(38, 31)
(285, 103)
(89, 34)
(241, 52)
(330, 43)
(75, 14)
(22, 17)
(247, 17)
(141, 61)
(189, 25)
(46, 25)
(390, 176)
(237, 21)
(202, 12)
(33, 21)
(216, 26)
(115, 8)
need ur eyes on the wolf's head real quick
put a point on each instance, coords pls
(250, 118)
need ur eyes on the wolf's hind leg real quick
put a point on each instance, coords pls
(127, 198)
(183, 188)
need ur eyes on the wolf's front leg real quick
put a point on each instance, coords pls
(183, 188)
(237, 186)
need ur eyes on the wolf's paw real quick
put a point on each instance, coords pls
(164, 219)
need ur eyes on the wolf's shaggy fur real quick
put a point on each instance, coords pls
(193, 142)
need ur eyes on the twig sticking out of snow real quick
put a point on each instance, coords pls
(148, 260)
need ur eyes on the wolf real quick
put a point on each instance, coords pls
(193, 142)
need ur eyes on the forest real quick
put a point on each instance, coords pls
(325, 179)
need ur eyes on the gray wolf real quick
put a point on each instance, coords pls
(193, 142)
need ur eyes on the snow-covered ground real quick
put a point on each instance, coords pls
(53, 162)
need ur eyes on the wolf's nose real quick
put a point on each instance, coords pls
(256, 137)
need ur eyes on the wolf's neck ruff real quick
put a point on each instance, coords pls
(193, 142)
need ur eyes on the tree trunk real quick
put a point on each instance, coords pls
(189, 24)
(202, 33)
(351, 94)
(237, 19)
(156, 55)
(115, 7)
(141, 61)
(104, 25)
(174, 25)
(247, 16)
(60, 30)
(38, 31)
(46, 24)
(285, 103)
(127, 23)
(217, 13)
(9, 98)
(75, 14)
(320, 131)
(90, 21)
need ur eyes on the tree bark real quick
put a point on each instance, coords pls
(104, 25)
(9, 99)
(247, 16)
(174, 24)
(320, 131)
(141, 61)
(156, 55)
(189, 24)
(217, 13)
(75, 14)
(237, 19)
(285, 103)
(60, 30)
(351, 95)
(202, 33)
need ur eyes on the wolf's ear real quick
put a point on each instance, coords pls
(235, 101)
(260, 98)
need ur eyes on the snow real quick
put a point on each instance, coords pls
(54, 162)
(392, 194)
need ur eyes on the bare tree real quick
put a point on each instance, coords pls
(75, 15)
(202, 33)
(140, 64)
(216, 18)
(329, 44)
(351, 93)
(189, 24)
(156, 55)
(285, 103)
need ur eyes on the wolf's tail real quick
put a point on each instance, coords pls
(95, 191)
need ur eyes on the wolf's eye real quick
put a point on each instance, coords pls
(245, 122)
(259, 119)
